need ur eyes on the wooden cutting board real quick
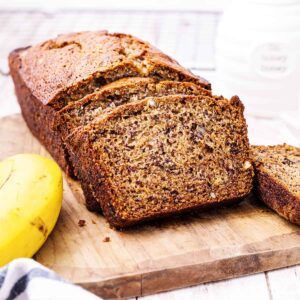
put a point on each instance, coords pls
(174, 253)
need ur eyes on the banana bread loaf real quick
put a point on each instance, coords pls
(277, 179)
(52, 74)
(163, 155)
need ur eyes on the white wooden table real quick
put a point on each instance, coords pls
(189, 38)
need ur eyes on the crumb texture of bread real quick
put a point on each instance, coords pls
(277, 182)
(163, 155)
(120, 92)
(67, 68)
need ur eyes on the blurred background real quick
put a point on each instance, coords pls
(249, 47)
(183, 29)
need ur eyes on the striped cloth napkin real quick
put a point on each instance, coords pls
(25, 279)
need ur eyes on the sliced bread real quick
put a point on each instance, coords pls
(52, 74)
(163, 155)
(120, 92)
(277, 180)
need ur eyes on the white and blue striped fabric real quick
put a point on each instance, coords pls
(25, 279)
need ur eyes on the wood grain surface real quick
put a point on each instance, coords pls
(174, 253)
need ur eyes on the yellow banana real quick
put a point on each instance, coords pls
(31, 191)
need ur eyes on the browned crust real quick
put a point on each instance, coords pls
(90, 171)
(277, 197)
(90, 202)
(89, 180)
(37, 116)
(62, 65)
(273, 192)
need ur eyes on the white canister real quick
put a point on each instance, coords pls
(258, 55)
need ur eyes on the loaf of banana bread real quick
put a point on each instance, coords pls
(145, 136)
(163, 155)
(277, 179)
(52, 74)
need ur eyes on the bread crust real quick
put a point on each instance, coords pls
(275, 195)
(38, 117)
(69, 63)
(273, 191)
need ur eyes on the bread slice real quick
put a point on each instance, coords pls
(164, 155)
(277, 170)
(120, 92)
(50, 75)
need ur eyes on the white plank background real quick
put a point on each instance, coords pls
(189, 37)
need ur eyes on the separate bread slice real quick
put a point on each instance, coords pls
(120, 92)
(108, 97)
(277, 170)
(164, 155)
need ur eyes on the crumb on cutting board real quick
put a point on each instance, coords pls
(81, 223)
(106, 239)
